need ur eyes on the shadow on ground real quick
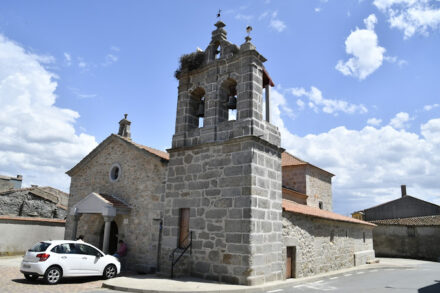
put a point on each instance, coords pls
(434, 288)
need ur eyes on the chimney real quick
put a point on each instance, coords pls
(403, 188)
(124, 127)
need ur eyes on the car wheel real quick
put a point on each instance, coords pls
(109, 272)
(52, 275)
(31, 277)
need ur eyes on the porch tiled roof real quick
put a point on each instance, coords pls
(113, 200)
(293, 207)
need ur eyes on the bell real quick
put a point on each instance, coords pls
(232, 102)
(201, 109)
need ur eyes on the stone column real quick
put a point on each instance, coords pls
(108, 221)
(76, 218)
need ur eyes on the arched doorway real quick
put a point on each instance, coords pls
(113, 241)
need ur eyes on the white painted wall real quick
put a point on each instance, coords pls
(17, 237)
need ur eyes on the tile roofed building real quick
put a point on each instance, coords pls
(406, 227)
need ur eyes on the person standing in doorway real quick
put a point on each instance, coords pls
(122, 251)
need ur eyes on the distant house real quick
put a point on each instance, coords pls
(29, 215)
(406, 227)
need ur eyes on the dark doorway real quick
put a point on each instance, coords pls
(290, 262)
(113, 241)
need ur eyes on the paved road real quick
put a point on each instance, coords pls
(11, 280)
(423, 278)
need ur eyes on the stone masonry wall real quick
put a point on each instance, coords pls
(22, 203)
(141, 185)
(420, 242)
(315, 252)
(295, 177)
(319, 188)
(233, 190)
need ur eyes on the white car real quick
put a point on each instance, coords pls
(63, 258)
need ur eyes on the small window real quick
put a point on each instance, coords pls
(346, 233)
(363, 234)
(115, 172)
(321, 205)
(332, 236)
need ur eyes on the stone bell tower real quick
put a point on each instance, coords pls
(223, 188)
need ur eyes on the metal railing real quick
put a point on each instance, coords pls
(180, 251)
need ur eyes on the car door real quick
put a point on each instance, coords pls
(91, 260)
(77, 260)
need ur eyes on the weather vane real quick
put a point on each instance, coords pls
(219, 13)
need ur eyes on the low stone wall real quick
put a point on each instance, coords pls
(325, 245)
(419, 242)
(19, 234)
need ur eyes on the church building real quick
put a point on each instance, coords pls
(225, 202)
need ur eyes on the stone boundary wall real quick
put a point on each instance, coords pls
(22, 233)
(419, 242)
(317, 252)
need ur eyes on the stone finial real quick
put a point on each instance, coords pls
(220, 24)
(124, 127)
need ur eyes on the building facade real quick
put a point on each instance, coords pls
(406, 227)
(225, 202)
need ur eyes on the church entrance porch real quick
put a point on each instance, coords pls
(113, 240)
(108, 206)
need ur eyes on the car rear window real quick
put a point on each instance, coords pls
(40, 247)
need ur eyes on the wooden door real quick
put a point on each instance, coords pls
(290, 262)
(184, 228)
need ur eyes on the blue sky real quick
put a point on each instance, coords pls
(357, 83)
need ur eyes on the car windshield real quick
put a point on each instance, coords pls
(40, 247)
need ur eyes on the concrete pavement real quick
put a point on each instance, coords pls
(152, 284)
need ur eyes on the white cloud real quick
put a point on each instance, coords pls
(38, 139)
(430, 107)
(244, 17)
(370, 164)
(401, 120)
(67, 59)
(276, 23)
(110, 59)
(374, 121)
(367, 54)
(411, 16)
(316, 102)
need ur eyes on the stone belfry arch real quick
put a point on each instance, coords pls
(227, 173)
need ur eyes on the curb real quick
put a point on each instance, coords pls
(253, 289)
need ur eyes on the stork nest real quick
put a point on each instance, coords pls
(189, 62)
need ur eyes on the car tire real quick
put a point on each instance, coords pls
(109, 272)
(53, 275)
(31, 277)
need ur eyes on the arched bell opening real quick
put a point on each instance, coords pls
(217, 50)
(197, 108)
(228, 100)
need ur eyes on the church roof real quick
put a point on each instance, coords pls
(160, 154)
(288, 160)
(296, 208)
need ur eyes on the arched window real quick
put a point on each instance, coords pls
(228, 98)
(197, 108)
